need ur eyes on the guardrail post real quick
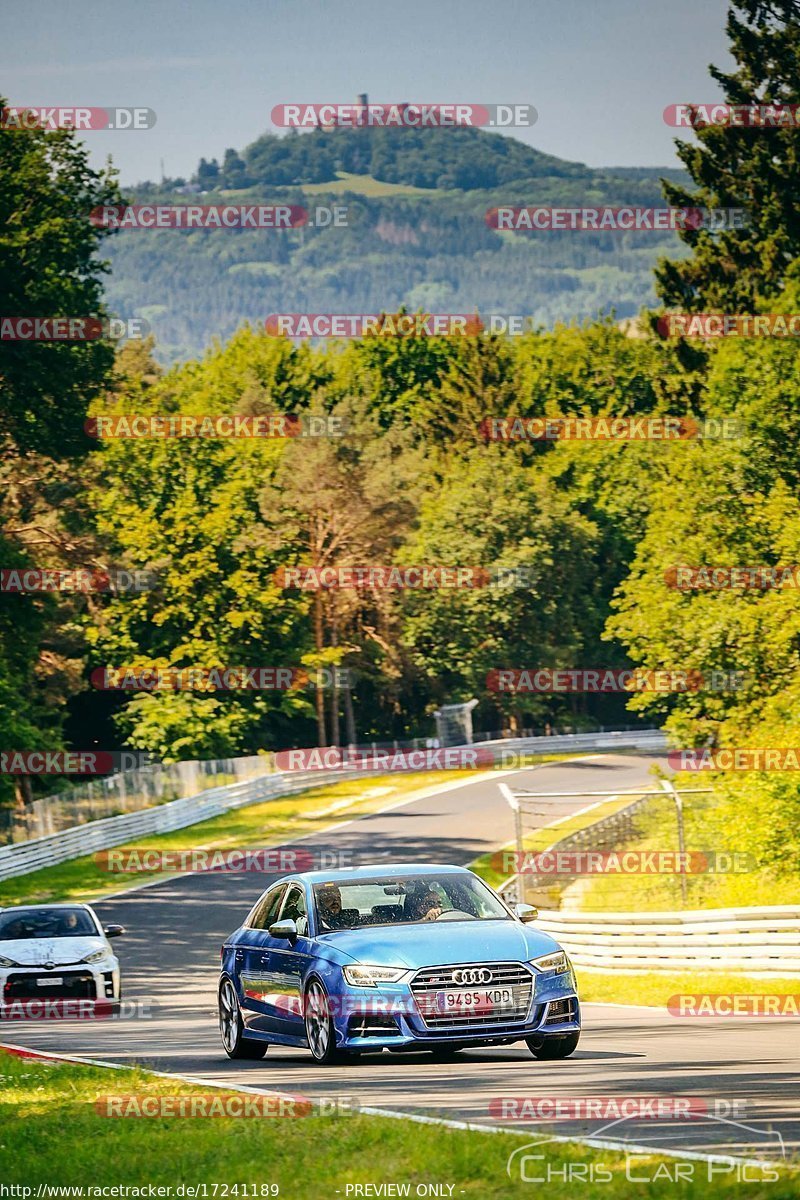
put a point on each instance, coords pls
(513, 803)
(669, 788)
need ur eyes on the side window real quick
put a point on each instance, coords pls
(265, 912)
(294, 908)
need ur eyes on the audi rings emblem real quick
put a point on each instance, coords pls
(472, 975)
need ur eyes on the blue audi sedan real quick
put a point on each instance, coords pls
(405, 958)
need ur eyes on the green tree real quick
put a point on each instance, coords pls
(492, 511)
(757, 169)
(49, 267)
(188, 508)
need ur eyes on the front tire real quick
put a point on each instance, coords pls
(320, 1031)
(231, 1026)
(550, 1048)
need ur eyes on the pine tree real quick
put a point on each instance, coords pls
(755, 168)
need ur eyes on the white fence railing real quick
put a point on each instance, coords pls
(737, 940)
(21, 858)
(652, 740)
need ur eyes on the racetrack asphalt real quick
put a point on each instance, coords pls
(170, 959)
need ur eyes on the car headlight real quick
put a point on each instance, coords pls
(97, 956)
(368, 976)
(7, 962)
(558, 963)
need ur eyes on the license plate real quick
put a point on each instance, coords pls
(51, 981)
(478, 1000)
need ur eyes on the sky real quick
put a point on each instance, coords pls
(598, 72)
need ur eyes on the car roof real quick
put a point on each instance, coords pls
(377, 871)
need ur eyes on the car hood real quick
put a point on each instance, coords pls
(36, 952)
(442, 942)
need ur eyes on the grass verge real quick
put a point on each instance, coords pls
(739, 882)
(52, 1134)
(271, 823)
(657, 988)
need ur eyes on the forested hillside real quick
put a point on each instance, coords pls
(416, 236)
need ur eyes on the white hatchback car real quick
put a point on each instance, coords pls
(56, 952)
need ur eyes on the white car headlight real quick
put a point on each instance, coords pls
(558, 963)
(368, 976)
(7, 962)
(96, 956)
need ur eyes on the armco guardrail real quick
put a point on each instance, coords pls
(652, 740)
(737, 940)
(21, 858)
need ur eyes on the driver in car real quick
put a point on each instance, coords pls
(428, 906)
(329, 907)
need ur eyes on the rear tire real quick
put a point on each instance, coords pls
(550, 1048)
(231, 1027)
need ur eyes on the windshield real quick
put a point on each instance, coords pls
(46, 923)
(406, 900)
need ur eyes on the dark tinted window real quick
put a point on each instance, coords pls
(266, 911)
(294, 908)
(46, 923)
(454, 896)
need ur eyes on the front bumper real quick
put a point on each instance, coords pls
(25, 986)
(389, 1016)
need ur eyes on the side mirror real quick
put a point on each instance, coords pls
(113, 930)
(284, 929)
(526, 912)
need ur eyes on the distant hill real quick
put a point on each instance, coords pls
(417, 235)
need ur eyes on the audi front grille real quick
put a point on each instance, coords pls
(473, 976)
